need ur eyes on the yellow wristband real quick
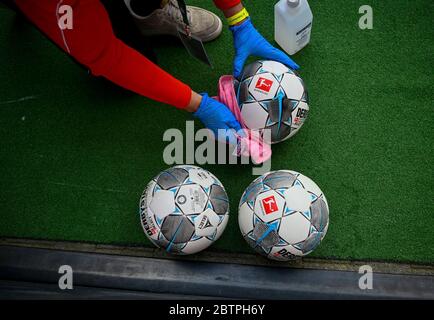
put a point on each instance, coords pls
(238, 17)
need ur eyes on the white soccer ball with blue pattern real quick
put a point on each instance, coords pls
(184, 209)
(283, 215)
(272, 96)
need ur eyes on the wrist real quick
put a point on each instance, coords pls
(240, 22)
(195, 101)
(234, 10)
(239, 16)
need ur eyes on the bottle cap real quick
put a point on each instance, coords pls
(293, 3)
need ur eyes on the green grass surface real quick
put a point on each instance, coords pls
(76, 152)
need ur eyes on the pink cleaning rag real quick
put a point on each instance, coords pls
(251, 144)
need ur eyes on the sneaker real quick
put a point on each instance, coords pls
(203, 24)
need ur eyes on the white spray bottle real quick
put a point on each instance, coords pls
(292, 24)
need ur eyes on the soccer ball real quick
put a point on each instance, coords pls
(283, 215)
(272, 96)
(184, 209)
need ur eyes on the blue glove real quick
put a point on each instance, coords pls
(215, 115)
(248, 41)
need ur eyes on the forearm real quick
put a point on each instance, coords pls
(226, 4)
(134, 72)
(130, 70)
(229, 12)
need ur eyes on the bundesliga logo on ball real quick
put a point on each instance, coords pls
(272, 96)
(283, 215)
(269, 205)
(264, 85)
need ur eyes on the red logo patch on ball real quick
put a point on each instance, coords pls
(269, 205)
(264, 84)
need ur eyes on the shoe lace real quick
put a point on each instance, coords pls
(172, 10)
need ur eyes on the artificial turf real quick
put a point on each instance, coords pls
(76, 152)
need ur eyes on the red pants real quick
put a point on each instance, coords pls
(92, 43)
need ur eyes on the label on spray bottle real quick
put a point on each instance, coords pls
(302, 35)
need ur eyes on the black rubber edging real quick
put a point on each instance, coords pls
(193, 278)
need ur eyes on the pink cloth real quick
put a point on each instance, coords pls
(251, 144)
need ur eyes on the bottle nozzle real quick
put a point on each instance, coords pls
(293, 3)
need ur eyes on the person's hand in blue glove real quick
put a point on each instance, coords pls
(248, 41)
(215, 115)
